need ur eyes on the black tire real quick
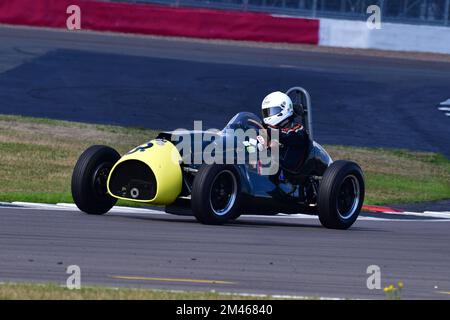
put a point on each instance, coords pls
(89, 180)
(213, 201)
(341, 195)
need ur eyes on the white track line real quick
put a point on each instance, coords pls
(445, 109)
(306, 216)
(445, 215)
(30, 205)
(360, 218)
(445, 103)
(442, 216)
(118, 209)
(115, 209)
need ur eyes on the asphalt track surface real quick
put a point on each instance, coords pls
(260, 255)
(159, 83)
(167, 84)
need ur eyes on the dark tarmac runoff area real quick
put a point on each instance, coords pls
(261, 255)
(167, 84)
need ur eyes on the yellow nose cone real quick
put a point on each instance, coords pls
(150, 173)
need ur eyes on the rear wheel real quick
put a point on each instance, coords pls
(89, 180)
(216, 194)
(341, 195)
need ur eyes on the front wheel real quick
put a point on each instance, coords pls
(89, 180)
(341, 195)
(216, 194)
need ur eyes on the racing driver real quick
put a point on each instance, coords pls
(278, 113)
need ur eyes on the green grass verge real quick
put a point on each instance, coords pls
(399, 176)
(54, 292)
(37, 157)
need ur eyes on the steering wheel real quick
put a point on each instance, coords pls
(258, 124)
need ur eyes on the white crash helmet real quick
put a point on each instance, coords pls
(276, 107)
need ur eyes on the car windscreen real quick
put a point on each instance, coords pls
(244, 120)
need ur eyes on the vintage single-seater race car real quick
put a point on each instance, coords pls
(156, 173)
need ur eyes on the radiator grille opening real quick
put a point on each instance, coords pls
(134, 180)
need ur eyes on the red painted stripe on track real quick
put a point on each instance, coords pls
(381, 209)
